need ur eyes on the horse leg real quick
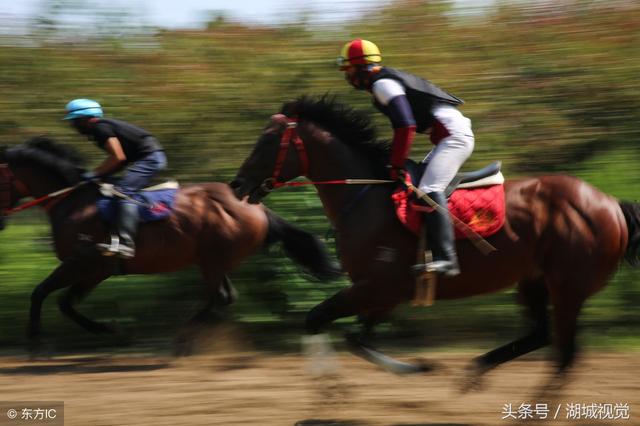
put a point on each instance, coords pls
(319, 351)
(55, 281)
(360, 345)
(88, 276)
(354, 300)
(368, 322)
(219, 292)
(227, 293)
(566, 309)
(533, 294)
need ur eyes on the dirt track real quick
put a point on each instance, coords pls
(256, 389)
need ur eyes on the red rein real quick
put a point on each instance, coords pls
(290, 134)
(8, 180)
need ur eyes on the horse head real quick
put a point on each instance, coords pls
(272, 161)
(307, 129)
(33, 169)
(9, 195)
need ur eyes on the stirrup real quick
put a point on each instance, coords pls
(110, 249)
(115, 248)
(126, 252)
(440, 267)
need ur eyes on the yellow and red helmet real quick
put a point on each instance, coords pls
(359, 52)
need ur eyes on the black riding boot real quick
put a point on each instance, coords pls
(123, 243)
(441, 239)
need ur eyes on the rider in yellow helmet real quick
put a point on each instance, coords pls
(415, 105)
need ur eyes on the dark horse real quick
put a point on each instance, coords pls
(561, 241)
(209, 227)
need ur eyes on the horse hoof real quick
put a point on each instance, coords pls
(473, 380)
(472, 384)
(553, 388)
(183, 347)
(182, 351)
(35, 348)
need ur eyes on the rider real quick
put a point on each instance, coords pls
(417, 105)
(128, 146)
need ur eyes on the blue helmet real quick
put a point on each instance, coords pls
(79, 108)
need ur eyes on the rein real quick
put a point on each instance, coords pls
(290, 134)
(9, 179)
(336, 182)
(43, 199)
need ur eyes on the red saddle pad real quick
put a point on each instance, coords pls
(481, 208)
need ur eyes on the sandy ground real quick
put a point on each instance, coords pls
(248, 388)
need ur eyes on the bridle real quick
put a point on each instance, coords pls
(5, 188)
(290, 134)
(9, 181)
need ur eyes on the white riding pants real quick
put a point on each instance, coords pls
(446, 158)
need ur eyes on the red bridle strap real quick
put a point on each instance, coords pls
(5, 188)
(289, 135)
(50, 199)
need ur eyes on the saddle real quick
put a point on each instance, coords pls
(476, 198)
(154, 203)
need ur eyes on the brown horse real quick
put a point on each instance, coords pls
(561, 241)
(209, 227)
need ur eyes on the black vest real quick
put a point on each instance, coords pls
(421, 94)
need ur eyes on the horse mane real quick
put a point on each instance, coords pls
(351, 127)
(63, 160)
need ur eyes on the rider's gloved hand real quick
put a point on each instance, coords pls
(88, 176)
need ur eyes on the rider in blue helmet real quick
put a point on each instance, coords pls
(129, 147)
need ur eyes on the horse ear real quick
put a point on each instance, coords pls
(279, 119)
(277, 123)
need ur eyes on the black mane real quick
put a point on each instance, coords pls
(351, 127)
(44, 151)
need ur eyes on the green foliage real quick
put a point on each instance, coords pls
(549, 89)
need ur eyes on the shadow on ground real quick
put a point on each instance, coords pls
(82, 366)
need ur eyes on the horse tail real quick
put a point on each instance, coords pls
(631, 213)
(302, 247)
